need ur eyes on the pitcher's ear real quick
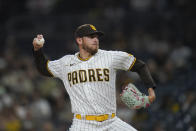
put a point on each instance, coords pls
(79, 40)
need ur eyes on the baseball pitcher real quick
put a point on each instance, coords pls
(89, 77)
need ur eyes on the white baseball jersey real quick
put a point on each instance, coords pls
(90, 83)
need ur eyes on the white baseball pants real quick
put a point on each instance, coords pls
(115, 124)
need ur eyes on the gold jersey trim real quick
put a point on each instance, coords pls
(132, 63)
(83, 59)
(48, 68)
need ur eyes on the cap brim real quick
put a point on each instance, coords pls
(99, 33)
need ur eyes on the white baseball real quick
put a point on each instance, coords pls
(40, 41)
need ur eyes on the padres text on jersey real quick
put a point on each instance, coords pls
(89, 75)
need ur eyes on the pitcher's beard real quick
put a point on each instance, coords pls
(90, 50)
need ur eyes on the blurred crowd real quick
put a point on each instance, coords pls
(160, 32)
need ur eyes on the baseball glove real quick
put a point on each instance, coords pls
(133, 98)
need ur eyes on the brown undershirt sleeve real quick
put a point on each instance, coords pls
(141, 68)
(41, 63)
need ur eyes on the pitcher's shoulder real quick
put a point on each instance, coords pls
(67, 57)
(105, 51)
(109, 52)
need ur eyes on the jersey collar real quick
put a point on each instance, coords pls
(78, 55)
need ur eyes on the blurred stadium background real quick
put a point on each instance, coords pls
(160, 32)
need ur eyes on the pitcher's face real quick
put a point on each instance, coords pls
(90, 43)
